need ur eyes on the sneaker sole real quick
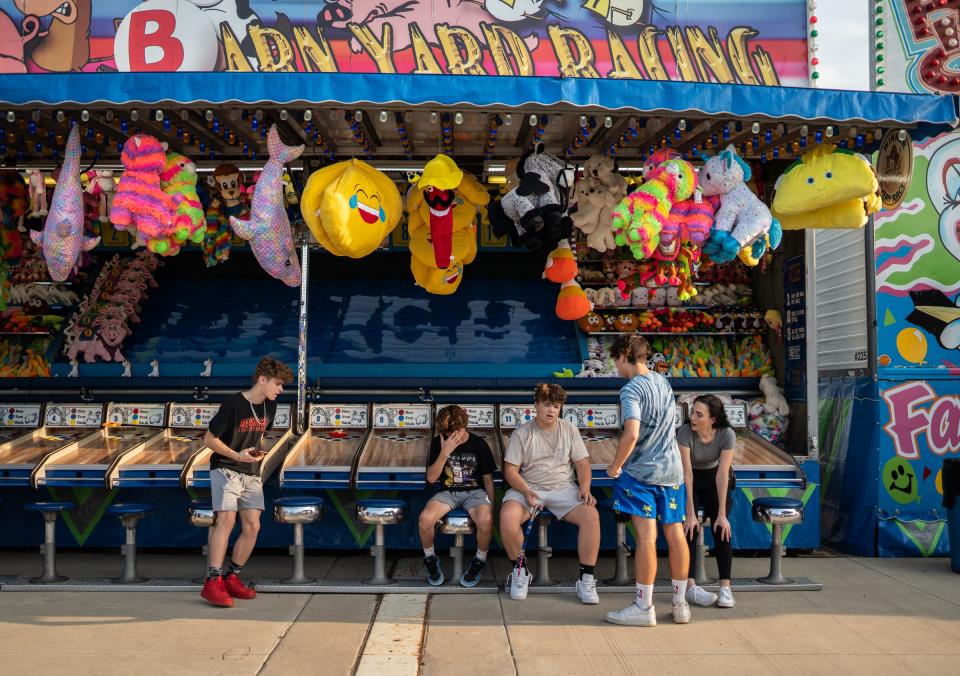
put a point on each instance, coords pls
(624, 623)
(681, 620)
(468, 585)
(215, 604)
(589, 602)
(702, 605)
(726, 605)
(435, 584)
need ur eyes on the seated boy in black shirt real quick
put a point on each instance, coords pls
(459, 461)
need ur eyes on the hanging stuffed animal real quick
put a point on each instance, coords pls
(744, 226)
(572, 302)
(38, 193)
(179, 180)
(61, 239)
(639, 218)
(140, 205)
(350, 207)
(595, 197)
(100, 185)
(561, 265)
(227, 202)
(268, 229)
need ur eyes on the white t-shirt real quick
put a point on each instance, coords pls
(544, 465)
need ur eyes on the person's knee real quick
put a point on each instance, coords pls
(511, 517)
(483, 520)
(251, 526)
(426, 521)
(225, 520)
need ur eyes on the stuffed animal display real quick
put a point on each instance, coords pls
(595, 196)
(743, 225)
(179, 181)
(101, 186)
(140, 205)
(350, 207)
(229, 201)
(769, 416)
(827, 188)
(38, 193)
(268, 229)
(573, 302)
(442, 208)
(62, 240)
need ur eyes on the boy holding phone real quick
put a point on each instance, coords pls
(235, 436)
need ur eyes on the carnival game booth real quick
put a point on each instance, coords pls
(417, 302)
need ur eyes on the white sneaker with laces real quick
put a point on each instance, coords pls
(681, 612)
(519, 585)
(587, 590)
(726, 598)
(633, 616)
(700, 596)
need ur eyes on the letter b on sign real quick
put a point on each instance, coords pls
(166, 36)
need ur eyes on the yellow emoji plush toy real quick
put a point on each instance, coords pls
(826, 188)
(350, 207)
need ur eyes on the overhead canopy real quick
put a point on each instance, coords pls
(558, 94)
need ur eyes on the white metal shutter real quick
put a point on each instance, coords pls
(841, 301)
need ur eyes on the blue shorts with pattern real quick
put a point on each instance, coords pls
(667, 504)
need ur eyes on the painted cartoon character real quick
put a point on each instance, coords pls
(237, 14)
(65, 46)
(12, 42)
(943, 181)
(620, 12)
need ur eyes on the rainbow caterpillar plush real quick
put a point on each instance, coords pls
(179, 181)
(639, 218)
(140, 205)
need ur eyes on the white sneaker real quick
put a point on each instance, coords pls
(587, 590)
(726, 598)
(519, 585)
(700, 596)
(681, 612)
(633, 616)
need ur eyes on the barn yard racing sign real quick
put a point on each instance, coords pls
(916, 413)
(748, 42)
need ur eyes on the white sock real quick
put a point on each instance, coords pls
(481, 555)
(428, 551)
(644, 595)
(679, 590)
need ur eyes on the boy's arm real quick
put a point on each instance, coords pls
(628, 440)
(220, 448)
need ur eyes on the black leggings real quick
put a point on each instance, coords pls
(705, 496)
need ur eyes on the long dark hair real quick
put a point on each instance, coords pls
(715, 407)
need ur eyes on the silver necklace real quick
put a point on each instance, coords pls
(258, 420)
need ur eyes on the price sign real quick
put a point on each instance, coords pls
(74, 415)
(338, 415)
(150, 415)
(402, 415)
(192, 415)
(736, 414)
(20, 415)
(586, 416)
(514, 416)
(479, 415)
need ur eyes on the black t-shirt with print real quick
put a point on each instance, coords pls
(466, 466)
(240, 424)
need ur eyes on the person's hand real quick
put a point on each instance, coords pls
(532, 499)
(249, 455)
(614, 472)
(450, 443)
(723, 526)
(690, 523)
(586, 497)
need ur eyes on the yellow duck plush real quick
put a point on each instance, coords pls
(350, 207)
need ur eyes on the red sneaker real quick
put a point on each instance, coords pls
(238, 589)
(216, 593)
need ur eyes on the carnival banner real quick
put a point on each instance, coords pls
(916, 46)
(747, 41)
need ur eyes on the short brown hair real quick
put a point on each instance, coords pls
(268, 367)
(549, 393)
(633, 348)
(450, 419)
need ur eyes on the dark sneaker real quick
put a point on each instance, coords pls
(216, 593)
(472, 577)
(434, 574)
(238, 589)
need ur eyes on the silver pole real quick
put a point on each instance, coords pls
(302, 339)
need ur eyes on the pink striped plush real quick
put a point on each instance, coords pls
(140, 204)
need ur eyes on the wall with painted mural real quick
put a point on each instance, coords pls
(917, 46)
(749, 41)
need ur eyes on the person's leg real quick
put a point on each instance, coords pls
(645, 559)
(482, 517)
(692, 540)
(219, 539)
(513, 515)
(434, 510)
(225, 491)
(587, 521)
(249, 530)
(722, 548)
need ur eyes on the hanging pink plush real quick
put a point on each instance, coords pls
(62, 239)
(268, 229)
(140, 205)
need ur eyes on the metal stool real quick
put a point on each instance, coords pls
(777, 511)
(621, 576)
(49, 546)
(544, 551)
(130, 514)
(200, 514)
(296, 512)
(380, 513)
(700, 552)
(457, 523)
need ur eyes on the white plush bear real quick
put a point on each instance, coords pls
(602, 169)
(773, 393)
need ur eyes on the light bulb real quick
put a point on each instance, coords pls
(11, 116)
(208, 116)
(158, 116)
(583, 121)
(829, 131)
(755, 127)
(458, 118)
(307, 115)
(608, 122)
(184, 115)
(258, 114)
(682, 125)
(60, 116)
(383, 116)
(358, 116)
(507, 119)
(533, 120)
(804, 130)
(283, 114)
(901, 135)
(434, 117)
(85, 115)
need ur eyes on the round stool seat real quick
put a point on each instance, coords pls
(777, 510)
(456, 522)
(384, 512)
(48, 506)
(545, 514)
(131, 509)
(297, 509)
(201, 513)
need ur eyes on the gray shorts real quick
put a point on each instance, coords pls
(231, 491)
(559, 502)
(465, 500)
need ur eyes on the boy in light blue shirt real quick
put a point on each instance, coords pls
(649, 480)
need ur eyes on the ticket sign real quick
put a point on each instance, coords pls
(514, 416)
(20, 415)
(281, 419)
(402, 415)
(586, 416)
(736, 414)
(479, 415)
(196, 416)
(151, 415)
(74, 415)
(338, 415)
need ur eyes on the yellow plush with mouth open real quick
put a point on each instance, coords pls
(350, 207)
(827, 188)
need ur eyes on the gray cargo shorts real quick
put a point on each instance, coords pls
(465, 500)
(231, 491)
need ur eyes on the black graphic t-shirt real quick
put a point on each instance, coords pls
(466, 466)
(236, 424)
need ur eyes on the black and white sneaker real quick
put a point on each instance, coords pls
(434, 574)
(472, 577)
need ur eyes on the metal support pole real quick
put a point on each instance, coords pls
(301, 407)
(811, 357)
(49, 550)
(297, 552)
(456, 553)
(544, 552)
(129, 550)
(870, 267)
(379, 554)
(700, 555)
(621, 575)
(776, 558)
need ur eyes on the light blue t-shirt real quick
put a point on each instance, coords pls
(655, 459)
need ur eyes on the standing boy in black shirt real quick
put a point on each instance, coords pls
(459, 461)
(235, 436)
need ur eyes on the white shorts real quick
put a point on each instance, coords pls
(559, 502)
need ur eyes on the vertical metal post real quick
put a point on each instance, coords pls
(776, 558)
(456, 552)
(129, 550)
(700, 554)
(813, 369)
(302, 337)
(870, 269)
(49, 550)
(297, 551)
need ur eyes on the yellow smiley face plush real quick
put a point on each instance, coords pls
(350, 207)
(439, 282)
